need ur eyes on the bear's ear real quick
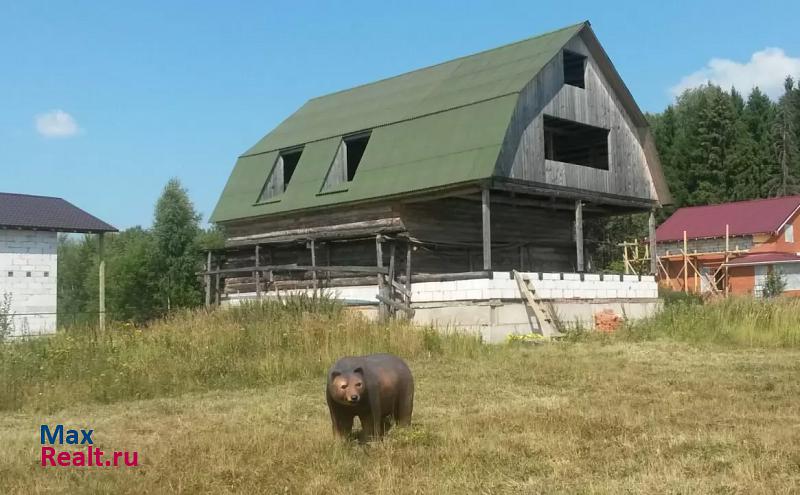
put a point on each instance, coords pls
(334, 374)
(359, 370)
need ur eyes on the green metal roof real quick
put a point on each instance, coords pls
(431, 128)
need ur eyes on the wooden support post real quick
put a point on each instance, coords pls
(379, 255)
(101, 292)
(258, 272)
(579, 234)
(408, 274)
(685, 263)
(217, 283)
(487, 229)
(625, 263)
(652, 238)
(313, 262)
(207, 279)
(390, 285)
(727, 256)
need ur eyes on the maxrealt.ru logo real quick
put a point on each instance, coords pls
(91, 456)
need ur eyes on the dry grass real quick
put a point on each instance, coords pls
(568, 418)
(232, 402)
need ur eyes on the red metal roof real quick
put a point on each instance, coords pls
(765, 259)
(758, 216)
(24, 211)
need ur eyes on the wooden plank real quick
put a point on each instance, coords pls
(545, 321)
(487, 229)
(207, 279)
(313, 262)
(685, 263)
(258, 272)
(651, 226)
(400, 288)
(379, 255)
(395, 305)
(298, 268)
(579, 235)
(101, 290)
(408, 273)
(217, 284)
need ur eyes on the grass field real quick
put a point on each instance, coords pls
(643, 411)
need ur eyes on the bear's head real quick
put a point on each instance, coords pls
(347, 387)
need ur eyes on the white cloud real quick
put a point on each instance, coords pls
(766, 69)
(56, 124)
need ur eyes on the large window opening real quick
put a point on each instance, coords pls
(354, 151)
(282, 172)
(576, 143)
(289, 159)
(574, 67)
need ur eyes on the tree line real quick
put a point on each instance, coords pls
(148, 271)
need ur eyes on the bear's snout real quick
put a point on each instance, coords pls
(354, 398)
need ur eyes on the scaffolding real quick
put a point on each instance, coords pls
(636, 254)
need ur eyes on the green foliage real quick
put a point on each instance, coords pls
(774, 284)
(735, 321)
(673, 297)
(175, 230)
(6, 317)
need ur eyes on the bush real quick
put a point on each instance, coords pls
(774, 285)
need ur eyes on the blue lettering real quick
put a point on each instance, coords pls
(58, 433)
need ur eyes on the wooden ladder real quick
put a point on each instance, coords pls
(539, 309)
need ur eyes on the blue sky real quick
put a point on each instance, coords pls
(102, 102)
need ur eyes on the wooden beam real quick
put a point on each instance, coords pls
(207, 279)
(408, 273)
(579, 235)
(313, 262)
(727, 254)
(379, 256)
(390, 286)
(258, 272)
(217, 284)
(487, 229)
(651, 224)
(298, 268)
(685, 263)
(101, 291)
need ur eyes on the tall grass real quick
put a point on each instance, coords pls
(737, 321)
(251, 345)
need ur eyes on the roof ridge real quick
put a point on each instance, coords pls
(741, 201)
(457, 59)
(31, 195)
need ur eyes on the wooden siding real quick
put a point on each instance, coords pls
(522, 155)
(337, 174)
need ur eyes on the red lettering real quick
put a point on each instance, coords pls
(135, 461)
(63, 458)
(47, 454)
(117, 455)
(97, 457)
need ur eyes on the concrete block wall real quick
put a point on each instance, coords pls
(28, 271)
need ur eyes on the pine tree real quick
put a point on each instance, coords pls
(785, 179)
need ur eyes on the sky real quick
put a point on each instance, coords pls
(101, 103)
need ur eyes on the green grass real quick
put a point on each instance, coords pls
(233, 402)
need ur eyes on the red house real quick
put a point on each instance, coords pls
(731, 247)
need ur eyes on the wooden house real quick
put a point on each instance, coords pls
(729, 248)
(489, 162)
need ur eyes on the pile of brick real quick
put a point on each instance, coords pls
(607, 321)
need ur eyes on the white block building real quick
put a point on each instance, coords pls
(29, 227)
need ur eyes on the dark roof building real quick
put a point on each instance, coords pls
(28, 212)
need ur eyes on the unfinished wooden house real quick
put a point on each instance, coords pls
(458, 173)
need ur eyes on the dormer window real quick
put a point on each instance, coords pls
(348, 158)
(281, 174)
(574, 68)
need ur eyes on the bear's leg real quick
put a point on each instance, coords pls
(403, 408)
(370, 427)
(342, 424)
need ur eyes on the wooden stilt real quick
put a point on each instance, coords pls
(579, 235)
(102, 281)
(651, 224)
(408, 274)
(258, 272)
(313, 262)
(381, 291)
(487, 229)
(685, 263)
(207, 279)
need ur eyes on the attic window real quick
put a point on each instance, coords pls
(281, 174)
(574, 65)
(576, 143)
(354, 148)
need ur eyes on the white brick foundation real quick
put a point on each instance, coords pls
(494, 306)
(28, 271)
